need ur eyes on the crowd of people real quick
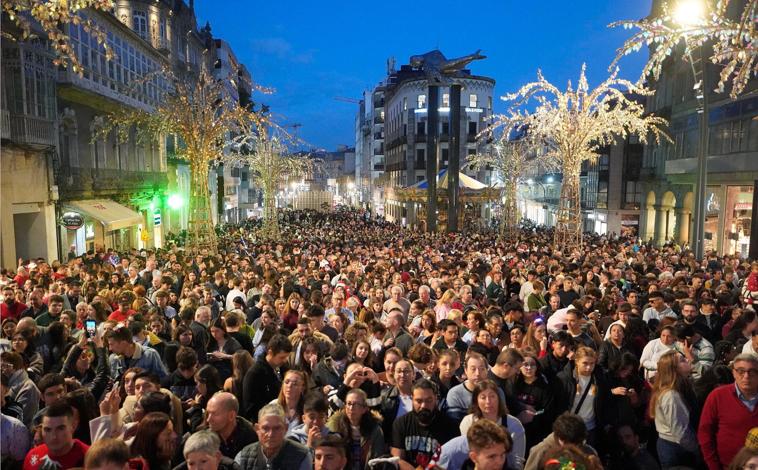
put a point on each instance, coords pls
(354, 343)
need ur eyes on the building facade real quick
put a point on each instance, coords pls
(668, 171)
(90, 189)
(405, 131)
(369, 150)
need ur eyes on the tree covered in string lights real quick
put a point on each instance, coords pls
(266, 149)
(204, 117)
(511, 156)
(693, 24)
(50, 16)
(572, 126)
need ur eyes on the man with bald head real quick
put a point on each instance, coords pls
(397, 336)
(235, 432)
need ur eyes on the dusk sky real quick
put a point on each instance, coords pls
(313, 51)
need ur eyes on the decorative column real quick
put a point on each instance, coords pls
(660, 224)
(683, 220)
(432, 140)
(454, 159)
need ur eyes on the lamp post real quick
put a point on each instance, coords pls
(688, 14)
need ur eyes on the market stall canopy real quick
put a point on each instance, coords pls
(111, 214)
(464, 182)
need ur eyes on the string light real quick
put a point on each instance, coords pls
(733, 42)
(570, 127)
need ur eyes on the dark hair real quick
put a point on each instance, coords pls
(424, 384)
(315, 402)
(208, 375)
(120, 334)
(563, 337)
(185, 358)
(482, 387)
(155, 402)
(315, 310)
(145, 442)
(50, 380)
(149, 376)
(570, 428)
(279, 344)
(335, 441)
(86, 405)
(13, 358)
(58, 410)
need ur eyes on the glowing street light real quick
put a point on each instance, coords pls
(689, 13)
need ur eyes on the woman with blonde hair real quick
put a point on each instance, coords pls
(291, 397)
(670, 406)
(241, 362)
(536, 337)
(445, 304)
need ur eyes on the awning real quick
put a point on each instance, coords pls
(111, 214)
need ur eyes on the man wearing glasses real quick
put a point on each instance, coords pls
(729, 412)
(273, 451)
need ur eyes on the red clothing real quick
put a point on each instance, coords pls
(724, 424)
(20, 280)
(11, 311)
(38, 458)
(119, 316)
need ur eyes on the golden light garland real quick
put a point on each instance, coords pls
(735, 43)
(264, 147)
(572, 127)
(511, 157)
(51, 16)
(204, 117)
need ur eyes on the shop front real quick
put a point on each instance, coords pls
(738, 215)
(104, 224)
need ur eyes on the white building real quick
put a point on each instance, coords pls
(405, 111)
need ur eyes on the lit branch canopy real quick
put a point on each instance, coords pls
(735, 42)
(203, 116)
(265, 149)
(511, 155)
(50, 16)
(572, 127)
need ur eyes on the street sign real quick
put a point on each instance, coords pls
(72, 220)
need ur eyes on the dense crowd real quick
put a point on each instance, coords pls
(353, 340)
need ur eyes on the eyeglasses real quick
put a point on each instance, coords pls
(528, 365)
(750, 372)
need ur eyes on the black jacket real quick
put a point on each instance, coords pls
(260, 385)
(566, 393)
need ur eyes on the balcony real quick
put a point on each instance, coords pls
(5, 117)
(29, 130)
(378, 120)
(91, 182)
(379, 151)
(378, 135)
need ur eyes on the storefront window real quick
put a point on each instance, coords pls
(737, 217)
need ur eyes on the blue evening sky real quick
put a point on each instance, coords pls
(312, 51)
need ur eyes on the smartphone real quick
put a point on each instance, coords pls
(538, 412)
(91, 328)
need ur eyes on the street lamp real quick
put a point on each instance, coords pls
(689, 14)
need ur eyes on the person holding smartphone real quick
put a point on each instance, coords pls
(87, 361)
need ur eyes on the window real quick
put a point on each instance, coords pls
(489, 102)
(632, 194)
(445, 154)
(139, 19)
(162, 27)
(405, 103)
(421, 128)
(472, 127)
(446, 100)
(421, 102)
(473, 101)
(445, 127)
(420, 158)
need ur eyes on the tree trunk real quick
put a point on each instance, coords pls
(270, 229)
(568, 228)
(200, 234)
(510, 216)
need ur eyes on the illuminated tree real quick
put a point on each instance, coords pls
(511, 156)
(51, 16)
(571, 127)
(735, 43)
(204, 117)
(265, 149)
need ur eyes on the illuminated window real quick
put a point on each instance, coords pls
(473, 101)
(421, 102)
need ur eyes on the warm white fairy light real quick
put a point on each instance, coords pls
(50, 17)
(572, 127)
(735, 43)
(265, 149)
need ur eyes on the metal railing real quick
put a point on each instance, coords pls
(31, 130)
